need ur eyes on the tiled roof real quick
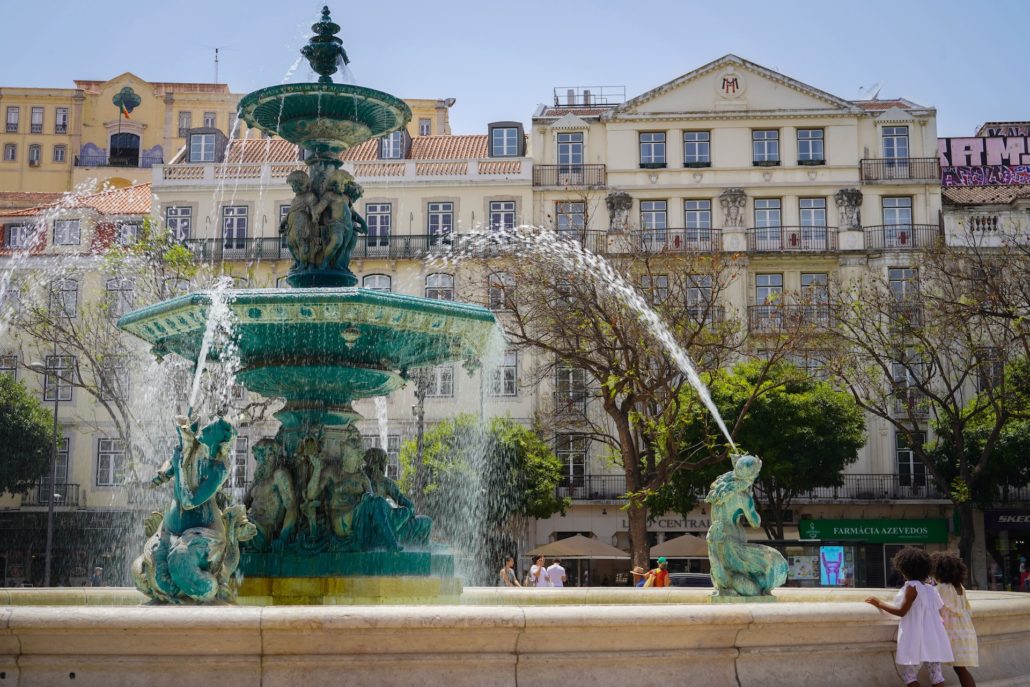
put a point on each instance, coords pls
(878, 105)
(132, 200)
(261, 150)
(276, 150)
(984, 195)
(27, 199)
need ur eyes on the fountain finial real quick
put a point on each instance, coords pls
(324, 50)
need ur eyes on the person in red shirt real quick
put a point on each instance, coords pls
(659, 577)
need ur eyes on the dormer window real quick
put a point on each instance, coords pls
(506, 139)
(391, 146)
(202, 148)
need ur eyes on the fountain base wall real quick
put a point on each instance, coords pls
(371, 590)
(599, 637)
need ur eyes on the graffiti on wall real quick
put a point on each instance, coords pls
(988, 175)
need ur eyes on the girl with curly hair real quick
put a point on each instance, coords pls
(950, 573)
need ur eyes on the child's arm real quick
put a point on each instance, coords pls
(900, 611)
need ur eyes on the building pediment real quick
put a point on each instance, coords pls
(732, 84)
(894, 115)
(570, 121)
(123, 79)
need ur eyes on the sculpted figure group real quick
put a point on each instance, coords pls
(331, 496)
(322, 225)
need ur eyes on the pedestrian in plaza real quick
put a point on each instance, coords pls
(97, 580)
(538, 574)
(659, 577)
(507, 574)
(640, 576)
(556, 574)
(950, 573)
(922, 639)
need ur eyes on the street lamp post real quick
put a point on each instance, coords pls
(52, 495)
(420, 377)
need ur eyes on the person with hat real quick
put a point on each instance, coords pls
(640, 576)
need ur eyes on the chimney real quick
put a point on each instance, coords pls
(586, 96)
(570, 96)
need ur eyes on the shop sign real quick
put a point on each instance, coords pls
(930, 531)
(1007, 519)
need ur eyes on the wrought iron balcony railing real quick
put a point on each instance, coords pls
(670, 240)
(901, 169)
(910, 402)
(145, 161)
(64, 494)
(572, 402)
(778, 318)
(566, 176)
(901, 236)
(274, 248)
(60, 128)
(873, 487)
(593, 487)
(791, 239)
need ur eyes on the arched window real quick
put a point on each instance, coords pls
(501, 288)
(119, 296)
(376, 282)
(440, 286)
(64, 297)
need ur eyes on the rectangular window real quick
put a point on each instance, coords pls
(502, 215)
(10, 152)
(377, 282)
(697, 148)
(17, 236)
(815, 287)
(234, 227)
(699, 293)
(768, 288)
(36, 120)
(185, 123)
(911, 470)
(500, 291)
(425, 127)
(812, 212)
(9, 365)
(35, 153)
(60, 153)
(655, 288)
(897, 220)
(697, 215)
(654, 215)
(66, 232)
(126, 233)
(393, 451)
(202, 148)
(504, 142)
(505, 376)
(767, 224)
(904, 283)
(810, 146)
(441, 221)
(571, 219)
(110, 462)
(57, 381)
(441, 382)
(440, 286)
(652, 149)
(765, 147)
(895, 142)
(570, 152)
(114, 382)
(61, 120)
(570, 388)
(209, 120)
(13, 114)
(990, 368)
(571, 449)
(64, 297)
(120, 296)
(379, 217)
(391, 146)
(179, 221)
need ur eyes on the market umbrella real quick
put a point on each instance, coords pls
(578, 546)
(685, 546)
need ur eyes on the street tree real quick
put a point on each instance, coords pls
(26, 433)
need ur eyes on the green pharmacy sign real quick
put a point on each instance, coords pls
(930, 531)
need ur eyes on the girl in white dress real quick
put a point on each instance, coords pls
(950, 573)
(921, 635)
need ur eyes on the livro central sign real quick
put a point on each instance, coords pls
(930, 531)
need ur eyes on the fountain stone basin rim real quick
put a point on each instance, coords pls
(614, 637)
(324, 345)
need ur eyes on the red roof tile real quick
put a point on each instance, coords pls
(132, 200)
(260, 150)
(578, 111)
(984, 195)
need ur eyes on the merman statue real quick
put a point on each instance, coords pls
(740, 568)
(193, 550)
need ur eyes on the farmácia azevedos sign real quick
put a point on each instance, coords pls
(931, 531)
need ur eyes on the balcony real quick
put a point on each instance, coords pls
(791, 239)
(274, 248)
(593, 487)
(144, 162)
(765, 319)
(901, 169)
(906, 314)
(706, 315)
(12, 127)
(671, 241)
(60, 128)
(573, 402)
(35, 128)
(873, 487)
(570, 176)
(910, 402)
(64, 494)
(901, 236)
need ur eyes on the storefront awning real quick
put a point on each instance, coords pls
(685, 546)
(578, 547)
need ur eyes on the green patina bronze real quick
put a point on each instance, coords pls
(740, 569)
(319, 505)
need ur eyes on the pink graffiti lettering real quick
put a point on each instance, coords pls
(992, 175)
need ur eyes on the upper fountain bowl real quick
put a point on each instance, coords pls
(325, 118)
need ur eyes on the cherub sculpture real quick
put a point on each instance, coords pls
(301, 222)
(271, 500)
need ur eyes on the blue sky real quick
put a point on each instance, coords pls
(970, 60)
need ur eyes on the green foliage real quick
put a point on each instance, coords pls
(482, 482)
(804, 430)
(26, 434)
